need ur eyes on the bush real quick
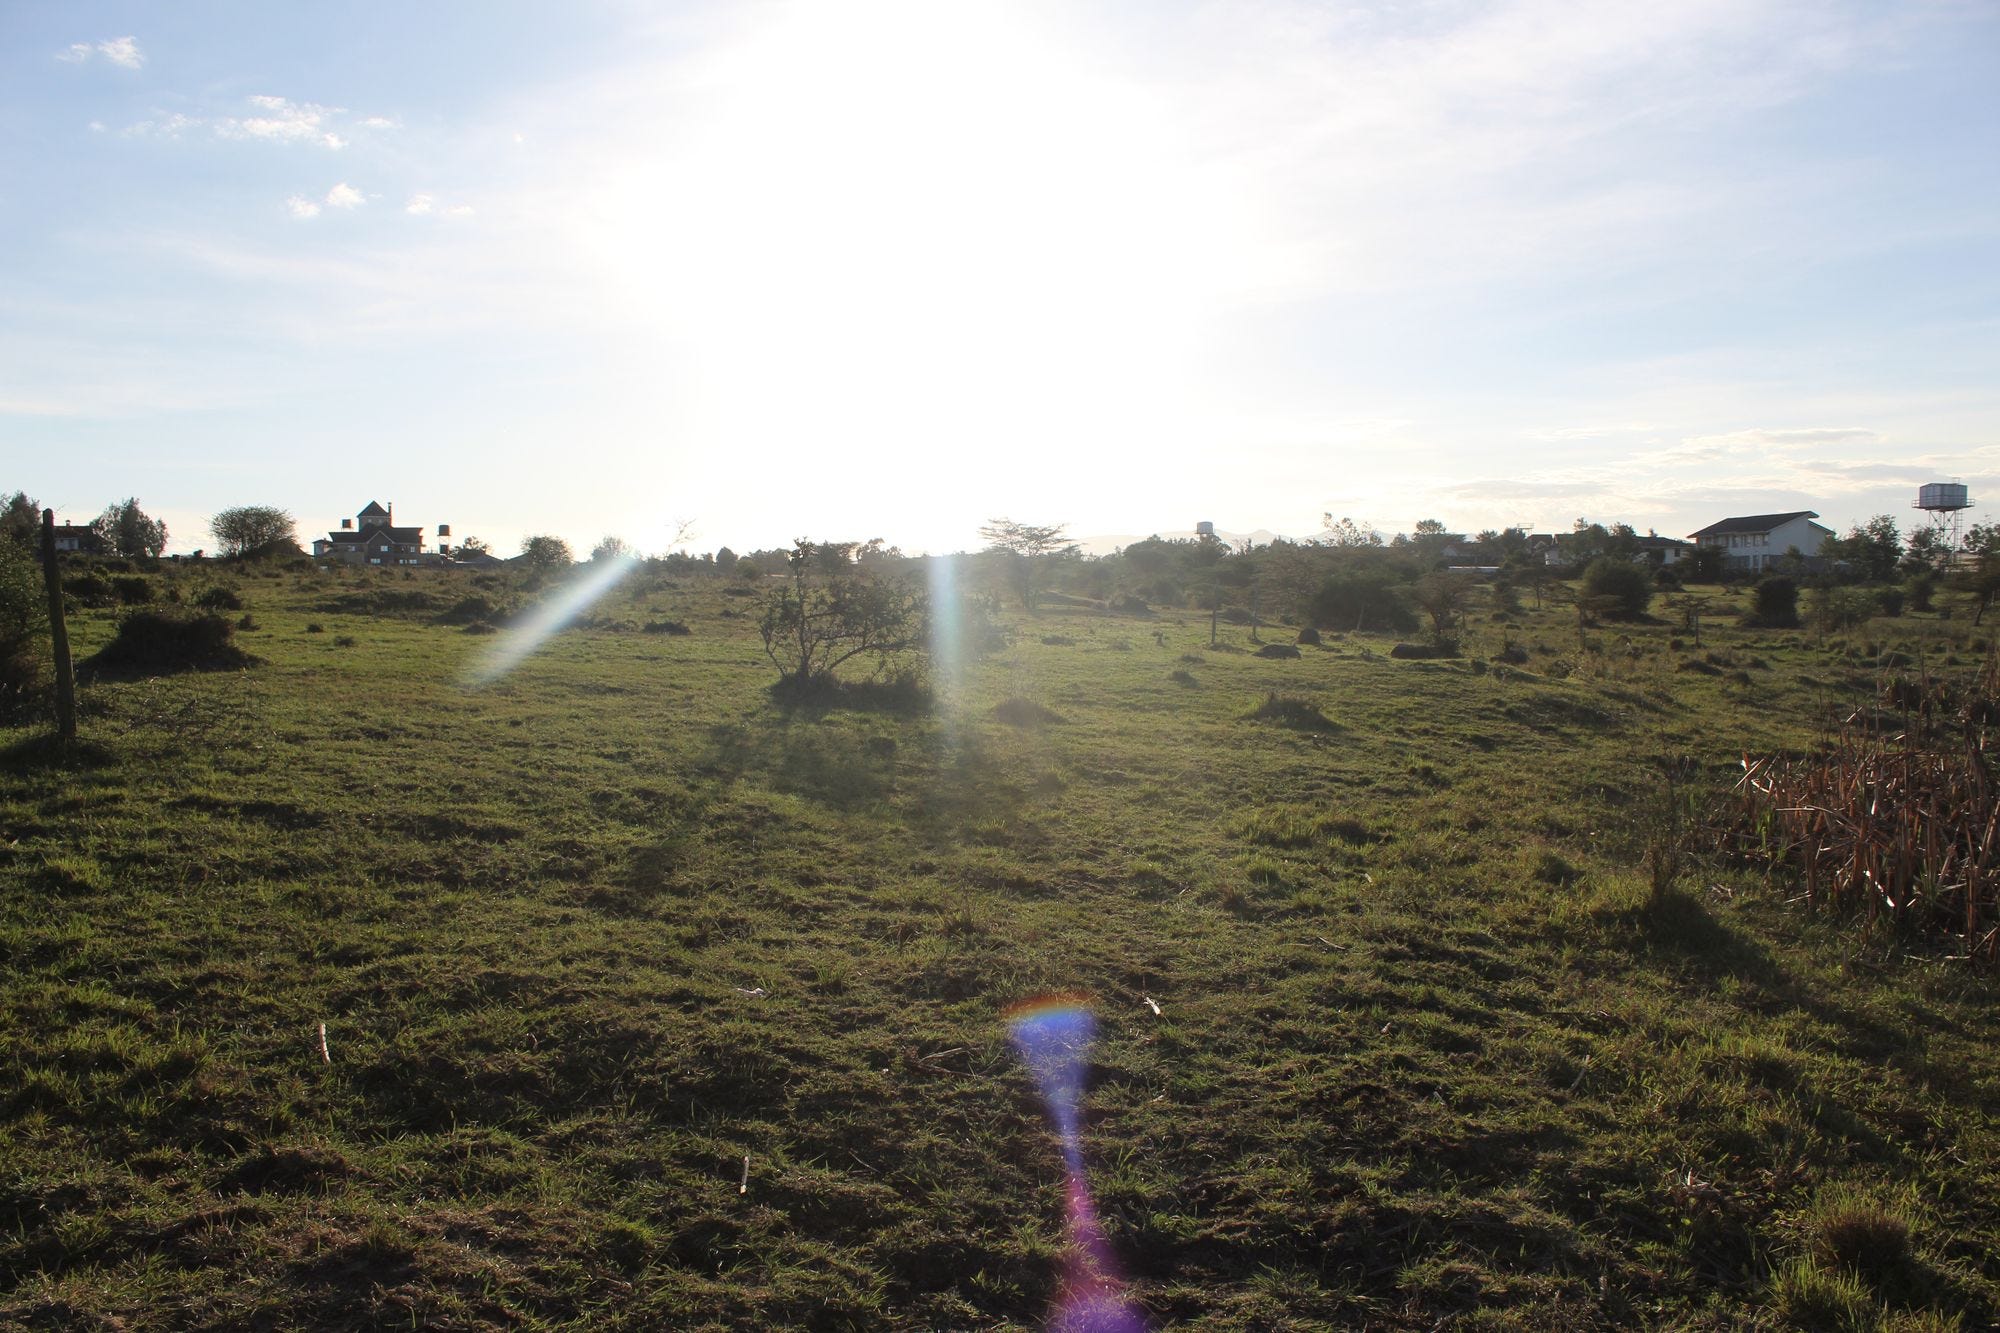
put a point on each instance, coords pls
(89, 589)
(1890, 600)
(1361, 598)
(132, 590)
(1309, 636)
(1623, 588)
(665, 627)
(1019, 712)
(23, 621)
(1777, 603)
(1278, 650)
(220, 598)
(1289, 710)
(160, 642)
(1921, 589)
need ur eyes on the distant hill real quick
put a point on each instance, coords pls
(1105, 545)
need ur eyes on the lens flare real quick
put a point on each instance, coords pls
(947, 648)
(533, 630)
(1053, 1035)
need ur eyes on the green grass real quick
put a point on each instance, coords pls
(1429, 1048)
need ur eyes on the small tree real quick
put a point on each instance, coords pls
(1345, 532)
(1625, 587)
(545, 552)
(125, 529)
(473, 546)
(612, 548)
(1026, 545)
(1778, 602)
(1442, 597)
(248, 530)
(829, 612)
(21, 520)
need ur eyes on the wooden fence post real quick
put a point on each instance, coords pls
(58, 634)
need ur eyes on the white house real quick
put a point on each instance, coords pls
(1757, 542)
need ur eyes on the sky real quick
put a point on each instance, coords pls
(892, 268)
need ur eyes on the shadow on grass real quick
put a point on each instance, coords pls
(40, 753)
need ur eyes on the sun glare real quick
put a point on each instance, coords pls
(889, 225)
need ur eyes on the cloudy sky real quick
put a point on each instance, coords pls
(892, 267)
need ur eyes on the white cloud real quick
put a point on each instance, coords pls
(302, 207)
(427, 205)
(344, 195)
(285, 121)
(123, 52)
(378, 123)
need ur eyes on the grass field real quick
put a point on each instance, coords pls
(1428, 1050)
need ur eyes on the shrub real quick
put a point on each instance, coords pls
(89, 589)
(1184, 677)
(1019, 712)
(1278, 650)
(314, 627)
(1777, 603)
(1890, 600)
(1288, 710)
(471, 610)
(247, 622)
(1423, 651)
(160, 642)
(220, 598)
(132, 590)
(666, 627)
(23, 622)
(1309, 636)
(1921, 589)
(1622, 588)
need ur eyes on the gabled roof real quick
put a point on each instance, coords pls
(1752, 523)
(373, 511)
(372, 531)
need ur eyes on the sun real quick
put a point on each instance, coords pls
(948, 235)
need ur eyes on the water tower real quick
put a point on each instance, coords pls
(1944, 501)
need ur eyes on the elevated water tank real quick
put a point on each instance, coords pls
(1942, 496)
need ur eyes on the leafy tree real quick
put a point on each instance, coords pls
(21, 520)
(725, 559)
(1927, 551)
(1873, 548)
(545, 552)
(612, 548)
(830, 612)
(1026, 546)
(1442, 597)
(1777, 605)
(1346, 533)
(1627, 590)
(1705, 564)
(474, 546)
(248, 530)
(125, 529)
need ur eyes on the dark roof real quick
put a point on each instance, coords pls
(1752, 523)
(1658, 543)
(409, 536)
(373, 511)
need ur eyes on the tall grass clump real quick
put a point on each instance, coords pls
(1895, 828)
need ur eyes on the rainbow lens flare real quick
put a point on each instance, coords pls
(1053, 1035)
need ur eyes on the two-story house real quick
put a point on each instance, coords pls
(371, 537)
(1757, 542)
